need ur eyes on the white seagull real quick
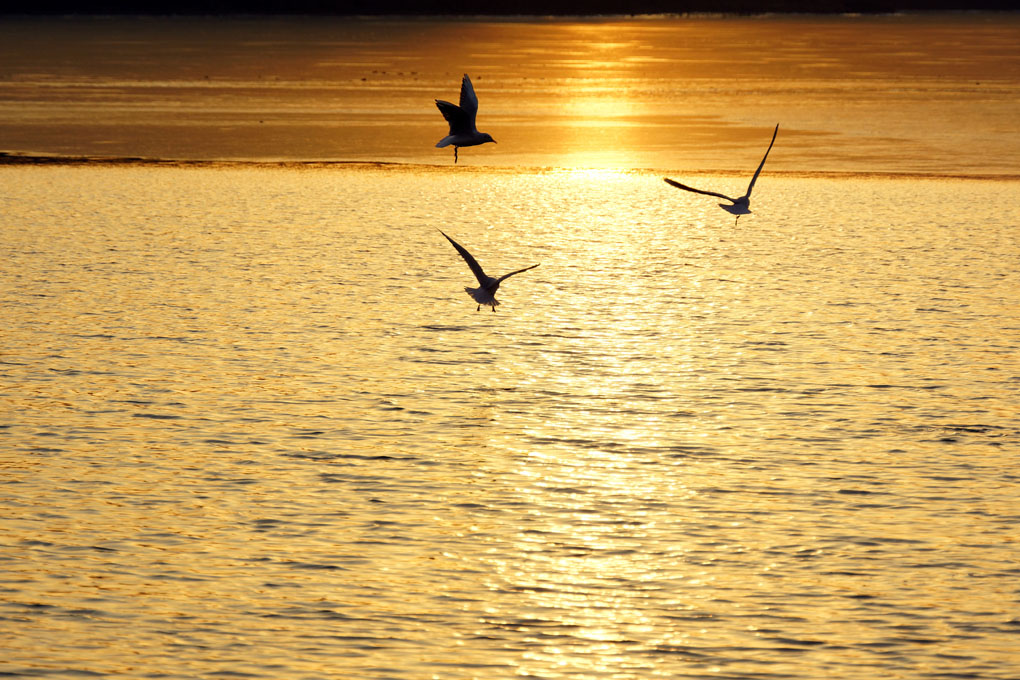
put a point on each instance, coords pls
(485, 294)
(740, 205)
(462, 120)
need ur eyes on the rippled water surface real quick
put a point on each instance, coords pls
(253, 426)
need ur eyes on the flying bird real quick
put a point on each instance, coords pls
(485, 294)
(462, 120)
(739, 205)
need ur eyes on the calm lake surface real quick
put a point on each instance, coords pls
(931, 94)
(252, 426)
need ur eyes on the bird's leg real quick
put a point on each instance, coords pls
(493, 310)
(479, 308)
(455, 153)
(736, 220)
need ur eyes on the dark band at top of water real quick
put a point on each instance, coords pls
(21, 159)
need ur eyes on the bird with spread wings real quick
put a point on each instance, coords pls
(462, 120)
(740, 206)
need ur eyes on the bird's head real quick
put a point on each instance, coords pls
(486, 137)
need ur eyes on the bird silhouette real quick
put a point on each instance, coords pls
(462, 120)
(485, 294)
(740, 205)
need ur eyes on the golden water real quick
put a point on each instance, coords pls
(932, 94)
(251, 424)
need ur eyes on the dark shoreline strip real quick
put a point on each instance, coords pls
(27, 159)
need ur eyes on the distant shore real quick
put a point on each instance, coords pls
(472, 8)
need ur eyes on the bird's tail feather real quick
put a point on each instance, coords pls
(482, 296)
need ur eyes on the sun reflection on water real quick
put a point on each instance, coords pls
(679, 447)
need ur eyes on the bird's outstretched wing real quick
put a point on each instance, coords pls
(460, 122)
(762, 164)
(697, 191)
(507, 276)
(471, 262)
(468, 98)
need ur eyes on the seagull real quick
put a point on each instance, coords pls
(485, 294)
(739, 206)
(462, 120)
